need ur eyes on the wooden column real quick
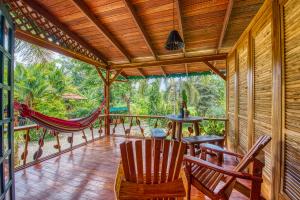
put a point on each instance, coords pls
(276, 99)
(227, 103)
(250, 95)
(107, 101)
(236, 102)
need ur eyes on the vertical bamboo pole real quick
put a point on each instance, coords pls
(107, 101)
(277, 63)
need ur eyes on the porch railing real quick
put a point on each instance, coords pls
(34, 144)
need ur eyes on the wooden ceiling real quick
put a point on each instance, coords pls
(131, 34)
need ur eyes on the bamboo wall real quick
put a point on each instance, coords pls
(263, 85)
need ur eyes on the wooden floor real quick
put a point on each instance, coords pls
(85, 173)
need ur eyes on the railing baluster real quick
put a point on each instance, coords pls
(84, 136)
(92, 132)
(25, 153)
(57, 146)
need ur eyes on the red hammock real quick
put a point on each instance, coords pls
(57, 124)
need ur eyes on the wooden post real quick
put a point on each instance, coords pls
(276, 99)
(250, 91)
(107, 99)
(236, 102)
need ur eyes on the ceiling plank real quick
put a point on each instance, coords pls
(140, 26)
(225, 24)
(88, 13)
(179, 16)
(175, 61)
(45, 13)
(163, 70)
(215, 70)
(23, 35)
(141, 72)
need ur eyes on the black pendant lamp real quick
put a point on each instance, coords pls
(174, 41)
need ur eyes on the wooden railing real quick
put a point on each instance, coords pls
(140, 125)
(29, 151)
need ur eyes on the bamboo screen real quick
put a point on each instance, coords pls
(242, 52)
(231, 94)
(291, 133)
(262, 42)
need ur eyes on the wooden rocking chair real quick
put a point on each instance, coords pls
(151, 170)
(206, 176)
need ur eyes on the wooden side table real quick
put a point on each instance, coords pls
(197, 140)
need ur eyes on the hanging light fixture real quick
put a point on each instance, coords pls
(174, 41)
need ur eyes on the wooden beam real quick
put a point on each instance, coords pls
(124, 75)
(101, 76)
(89, 14)
(163, 71)
(141, 72)
(225, 24)
(179, 16)
(278, 97)
(140, 26)
(175, 61)
(22, 35)
(186, 69)
(115, 76)
(215, 70)
(45, 13)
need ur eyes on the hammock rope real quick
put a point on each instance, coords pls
(56, 124)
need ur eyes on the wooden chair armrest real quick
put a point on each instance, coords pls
(203, 163)
(218, 149)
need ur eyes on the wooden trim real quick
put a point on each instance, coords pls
(175, 61)
(215, 70)
(276, 99)
(236, 102)
(115, 76)
(45, 13)
(140, 26)
(89, 14)
(225, 23)
(22, 35)
(179, 18)
(250, 95)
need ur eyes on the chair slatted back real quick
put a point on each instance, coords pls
(152, 161)
(247, 159)
(253, 152)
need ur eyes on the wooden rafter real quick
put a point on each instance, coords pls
(215, 70)
(225, 23)
(179, 16)
(115, 76)
(88, 13)
(22, 35)
(163, 70)
(176, 61)
(140, 26)
(141, 72)
(124, 75)
(51, 18)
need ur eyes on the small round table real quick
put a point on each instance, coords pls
(177, 124)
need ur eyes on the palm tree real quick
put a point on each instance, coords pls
(32, 54)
